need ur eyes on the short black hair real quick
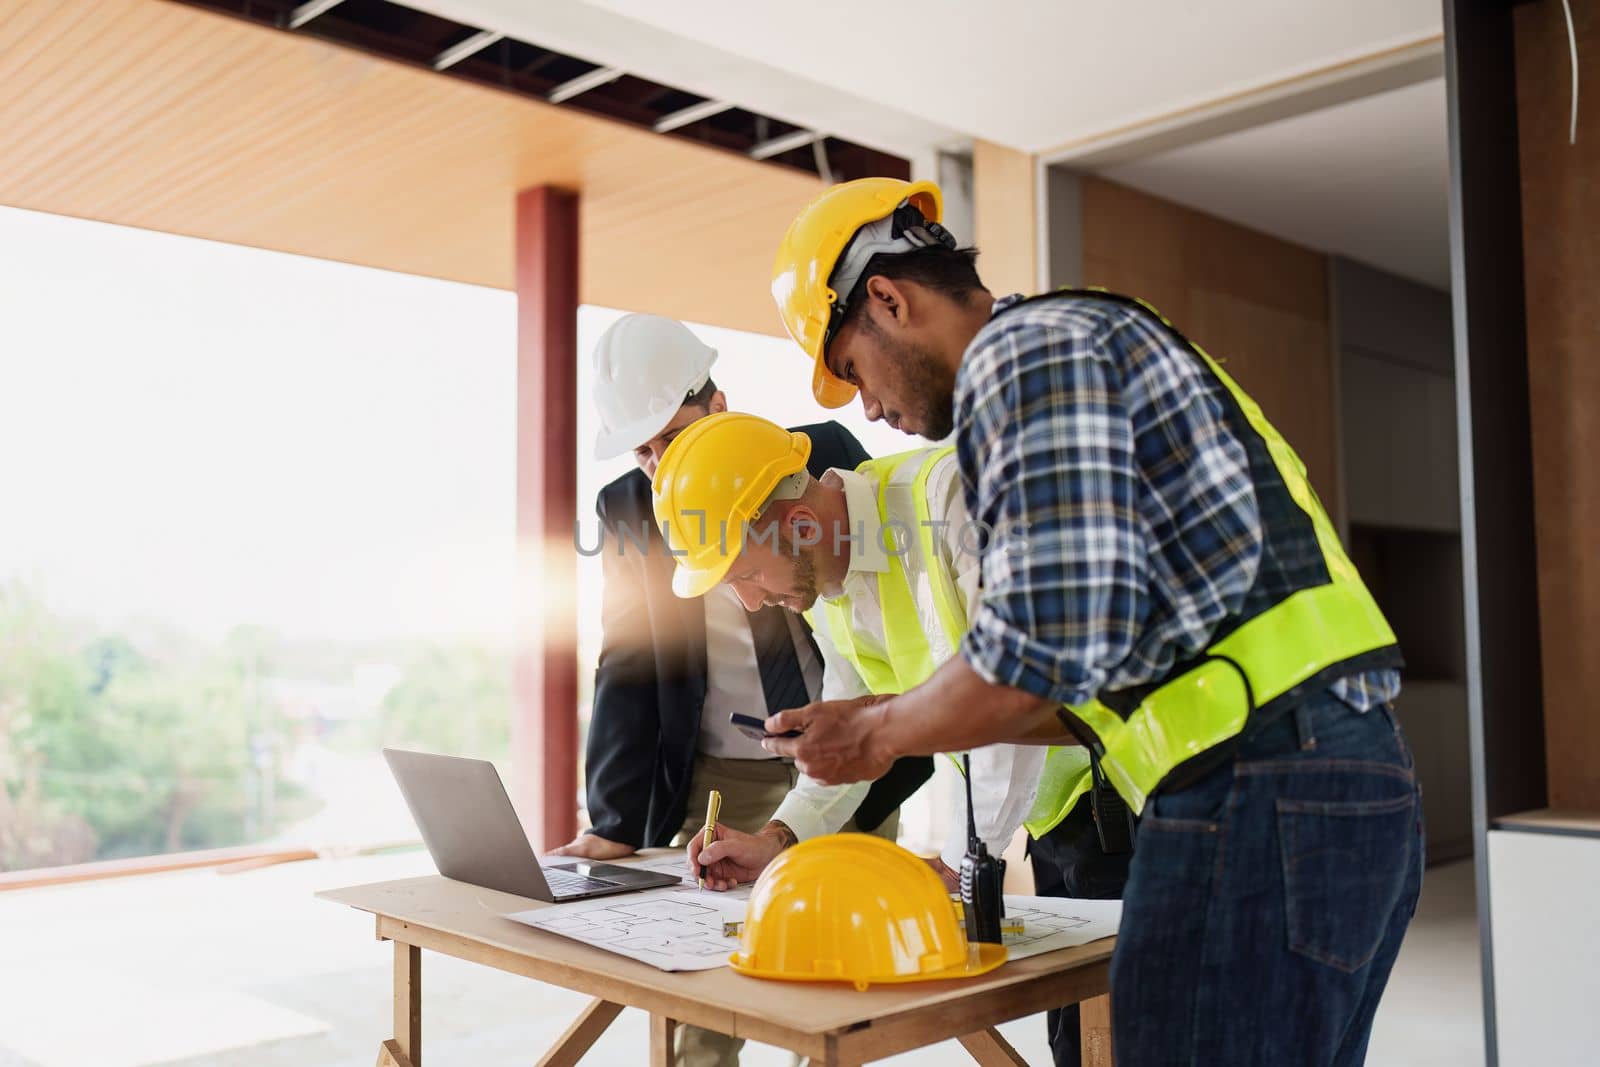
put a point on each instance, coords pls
(951, 271)
(701, 397)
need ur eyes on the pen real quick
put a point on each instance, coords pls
(713, 810)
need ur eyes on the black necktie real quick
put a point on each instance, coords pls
(782, 680)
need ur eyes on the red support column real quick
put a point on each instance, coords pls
(544, 722)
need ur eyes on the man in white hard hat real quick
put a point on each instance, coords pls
(672, 671)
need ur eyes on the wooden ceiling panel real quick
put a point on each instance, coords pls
(165, 117)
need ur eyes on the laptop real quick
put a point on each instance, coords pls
(473, 834)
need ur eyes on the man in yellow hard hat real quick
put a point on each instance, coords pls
(671, 671)
(1165, 586)
(883, 561)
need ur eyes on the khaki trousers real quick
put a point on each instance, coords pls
(751, 791)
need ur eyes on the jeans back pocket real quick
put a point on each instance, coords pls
(1344, 867)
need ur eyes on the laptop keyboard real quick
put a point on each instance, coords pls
(567, 883)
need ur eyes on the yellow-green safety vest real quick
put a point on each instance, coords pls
(1308, 633)
(1313, 631)
(923, 619)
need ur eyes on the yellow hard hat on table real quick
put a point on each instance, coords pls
(715, 478)
(811, 284)
(855, 908)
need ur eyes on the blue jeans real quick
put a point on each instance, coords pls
(1267, 901)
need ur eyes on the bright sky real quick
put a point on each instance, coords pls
(211, 435)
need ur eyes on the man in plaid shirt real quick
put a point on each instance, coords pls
(1134, 517)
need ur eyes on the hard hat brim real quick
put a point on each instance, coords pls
(981, 959)
(690, 584)
(830, 391)
(624, 439)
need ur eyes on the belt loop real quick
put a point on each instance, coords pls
(1302, 723)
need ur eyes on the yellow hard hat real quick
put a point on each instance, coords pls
(712, 480)
(855, 908)
(804, 283)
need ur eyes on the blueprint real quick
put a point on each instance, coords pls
(678, 863)
(1049, 923)
(680, 928)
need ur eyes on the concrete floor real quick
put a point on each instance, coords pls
(248, 970)
(1432, 1012)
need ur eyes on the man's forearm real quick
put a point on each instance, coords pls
(1047, 731)
(859, 740)
(956, 709)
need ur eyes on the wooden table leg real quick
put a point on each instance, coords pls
(830, 1056)
(571, 1046)
(1094, 1022)
(991, 1050)
(405, 1048)
(662, 1054)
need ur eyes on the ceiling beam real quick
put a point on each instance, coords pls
(471, 46)
(583, 83)
(691, 114)
(777, 146)
(682, 60)
(819, 156)
(310, 10)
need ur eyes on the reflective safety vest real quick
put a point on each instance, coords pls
(1306, 621)
(923, 619)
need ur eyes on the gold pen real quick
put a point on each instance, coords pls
(713, 811)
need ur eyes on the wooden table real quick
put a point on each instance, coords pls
(832, 1024)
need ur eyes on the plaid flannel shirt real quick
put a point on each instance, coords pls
(1124, 516)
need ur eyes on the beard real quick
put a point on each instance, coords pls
(927, 386)
(805, 576)
(802, 592)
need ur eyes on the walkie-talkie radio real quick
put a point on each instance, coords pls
(1112, 816)
(982, 878)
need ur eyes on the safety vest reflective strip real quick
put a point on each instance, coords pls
(912, 658)
(879, 674)
(919, 604)
(1304, 634)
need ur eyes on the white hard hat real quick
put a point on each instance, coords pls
(645, 366)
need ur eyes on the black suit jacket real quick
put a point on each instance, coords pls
(650, 684)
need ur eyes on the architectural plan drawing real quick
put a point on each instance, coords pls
(1049, 923)
(678, 928)
(677, 863)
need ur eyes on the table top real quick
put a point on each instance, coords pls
(470, 917)
(1553, 820)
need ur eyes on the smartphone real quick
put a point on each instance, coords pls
(755, 728)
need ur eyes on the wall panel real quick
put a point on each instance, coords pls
(1005, 218)
(1561, 257)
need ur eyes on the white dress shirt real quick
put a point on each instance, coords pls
(1004, 777)
(733, 680)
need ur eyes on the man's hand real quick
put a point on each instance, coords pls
(839, 741)
(594, 847)
(735, 856)
(951, 879)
